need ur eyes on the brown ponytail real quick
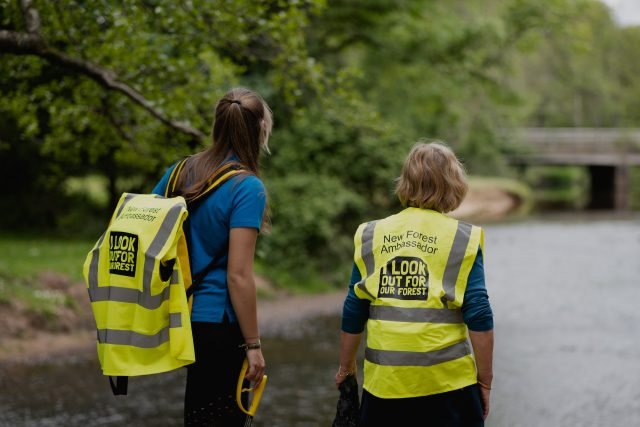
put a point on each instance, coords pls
(241, 127)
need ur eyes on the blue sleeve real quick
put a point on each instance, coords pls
(476, 309)
(249, 201)
(355, 311)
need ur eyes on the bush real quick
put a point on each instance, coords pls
(559, 187)
(331, 169)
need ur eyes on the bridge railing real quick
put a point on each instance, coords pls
(578, 146)
(581, 140)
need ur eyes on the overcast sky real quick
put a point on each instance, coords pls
(626, 12)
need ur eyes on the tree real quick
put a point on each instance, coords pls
(124, 87)
(90, 94)
(579, 74)
(442, 69)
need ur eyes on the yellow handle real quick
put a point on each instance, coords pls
(257, 391)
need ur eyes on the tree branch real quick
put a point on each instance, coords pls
(117, 124)
(31, 17)
(18, 43)
(31, 43)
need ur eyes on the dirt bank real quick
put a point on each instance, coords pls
(488, 204)
(30, 337)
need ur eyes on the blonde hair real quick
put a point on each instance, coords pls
(432, 178)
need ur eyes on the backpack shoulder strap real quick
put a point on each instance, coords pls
(170, 190)
(222, 175)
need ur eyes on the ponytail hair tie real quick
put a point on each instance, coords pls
(235, 101)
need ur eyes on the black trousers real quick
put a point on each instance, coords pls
(210, 396)
(457, 408)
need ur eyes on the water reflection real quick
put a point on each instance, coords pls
(565, 295)
(299, 392)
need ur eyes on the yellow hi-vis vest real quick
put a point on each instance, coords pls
(136, 275)
(414, 267)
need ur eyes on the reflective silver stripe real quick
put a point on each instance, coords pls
(157, 244)
(366, 253)
(367, 247)
(175, 277)
(93, 266)
(135, 339)
(415, 314)
(175, 320)
(363, 288)
(411, 358)
(127, 198)
(454, 262)
(133, 296)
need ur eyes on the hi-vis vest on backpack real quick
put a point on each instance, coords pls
(135, 279)
(414, 268)
(137, 274)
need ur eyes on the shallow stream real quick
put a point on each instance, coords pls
(566, 299)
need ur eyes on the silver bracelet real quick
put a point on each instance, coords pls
(251, 346)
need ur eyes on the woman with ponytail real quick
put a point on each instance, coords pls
(224, 227)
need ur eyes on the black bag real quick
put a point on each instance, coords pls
(348, 408)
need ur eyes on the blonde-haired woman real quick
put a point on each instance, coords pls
(418, 286)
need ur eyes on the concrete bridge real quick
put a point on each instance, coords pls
(608, 154)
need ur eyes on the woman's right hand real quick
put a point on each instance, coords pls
(485, 396)
(256, 366)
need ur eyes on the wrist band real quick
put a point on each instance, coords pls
(483, 385)
(251, 346)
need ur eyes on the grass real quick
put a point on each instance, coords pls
(26, 292)
(296, 282)
(22, 258)
(25, 257)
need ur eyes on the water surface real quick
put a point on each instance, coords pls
(566, 299)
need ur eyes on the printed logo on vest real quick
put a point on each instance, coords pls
(404, 278)
(123, 248)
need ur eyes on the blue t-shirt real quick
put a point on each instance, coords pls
(476, 310)
(238, 203)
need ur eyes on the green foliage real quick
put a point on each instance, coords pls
(331, 170)
(181, 57)
(353, 84)
(559, 187)
(435, 69)
(580, 74)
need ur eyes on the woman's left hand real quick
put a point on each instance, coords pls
(343, 373)
(255, 373)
